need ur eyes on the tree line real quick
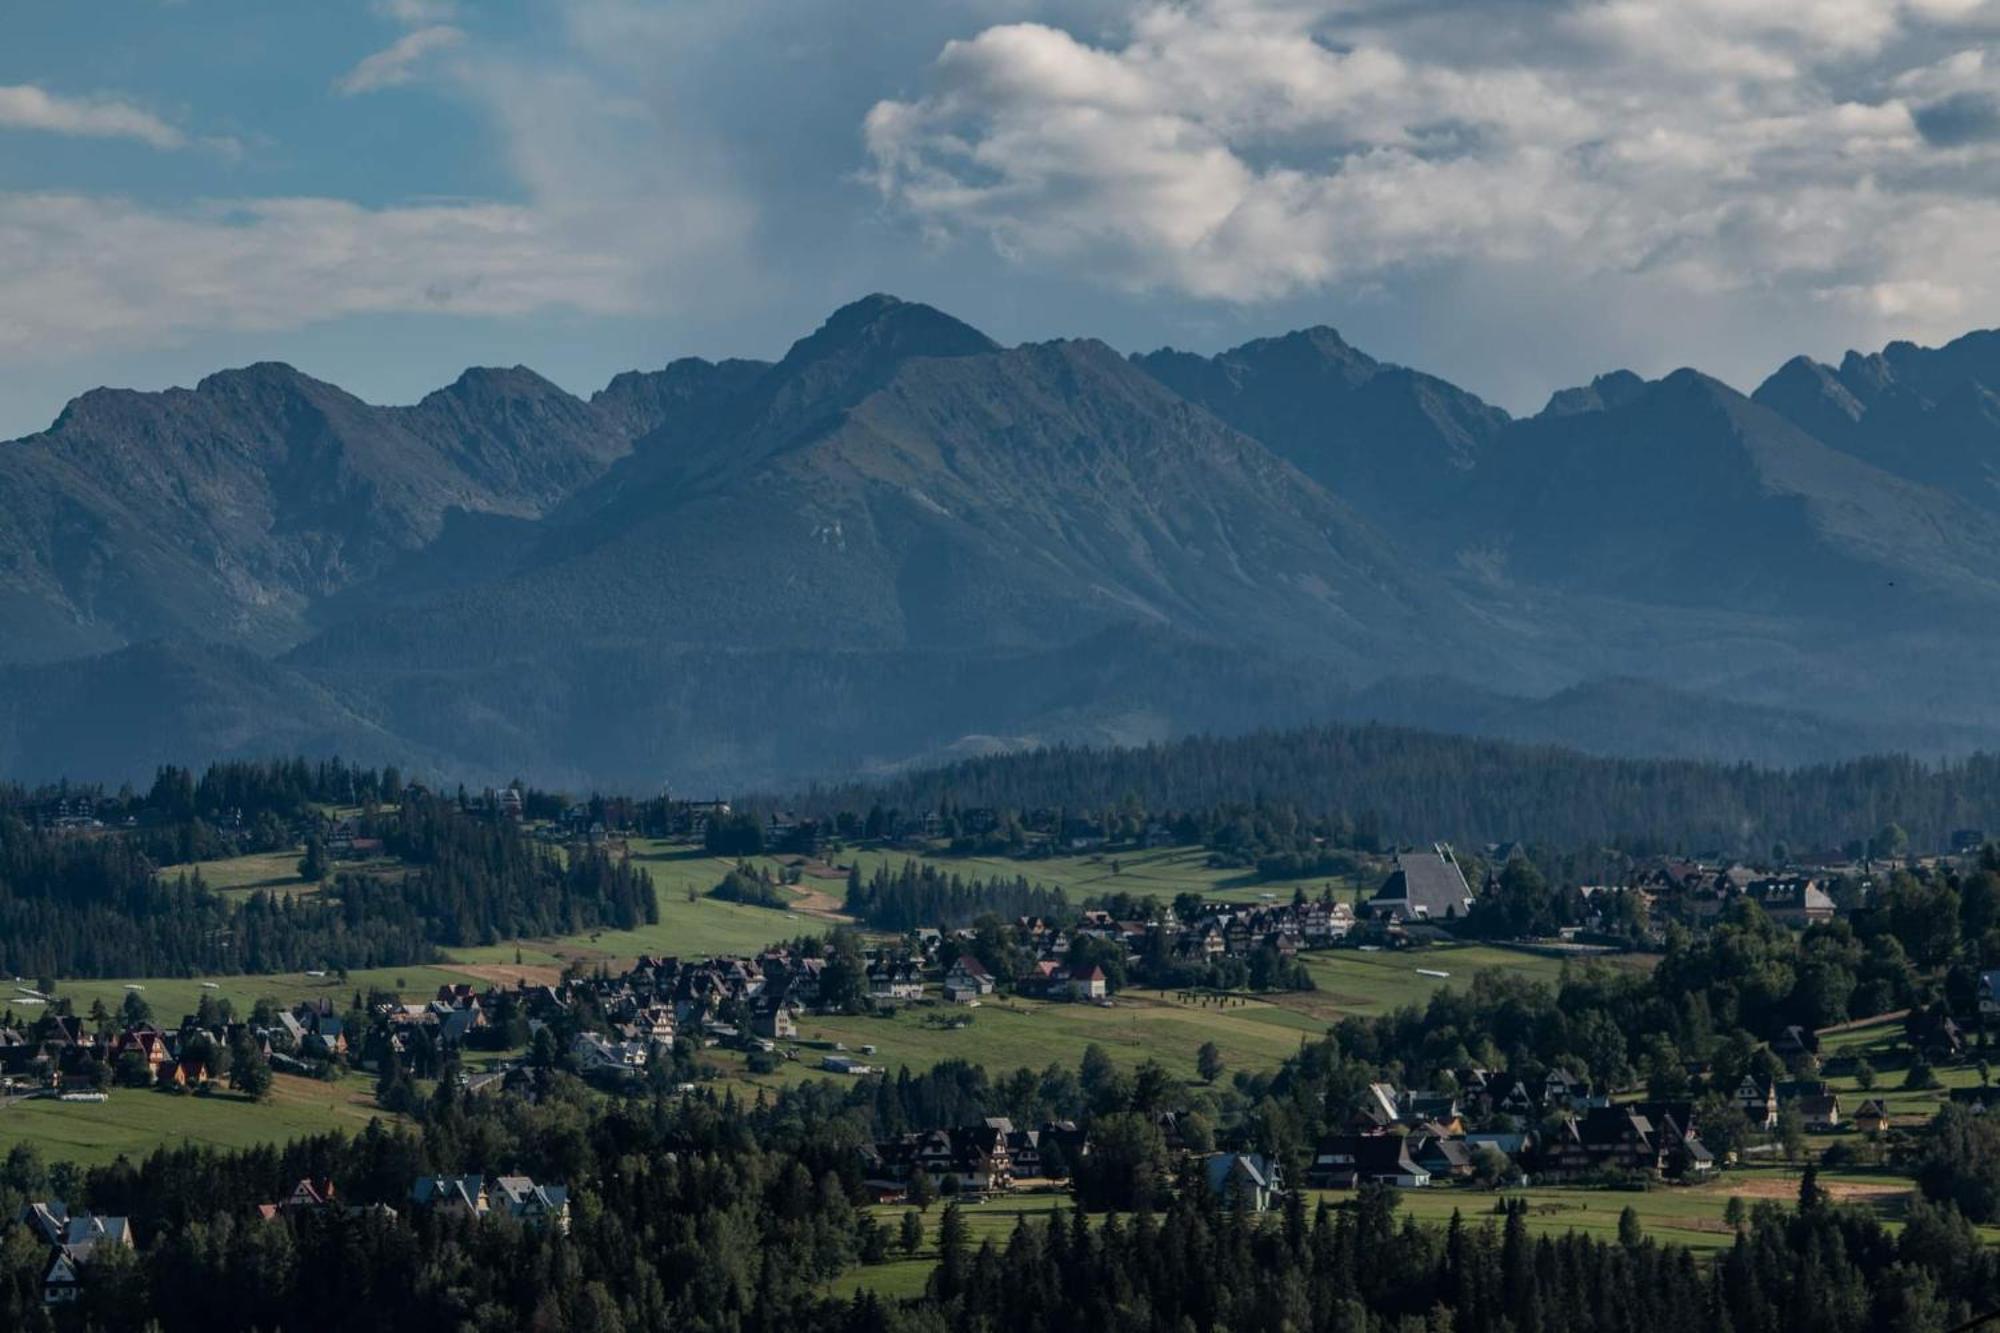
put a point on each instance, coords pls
(96, 905)
(1367, 786)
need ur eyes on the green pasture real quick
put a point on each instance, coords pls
(133, 1122)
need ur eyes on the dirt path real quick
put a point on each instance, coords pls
(509, 974)
(819, 903)
(1843, 1191)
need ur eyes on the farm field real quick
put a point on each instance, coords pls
(136, 1121)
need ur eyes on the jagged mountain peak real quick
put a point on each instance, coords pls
(1606, 392)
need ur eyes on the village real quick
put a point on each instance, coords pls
(658, 1025)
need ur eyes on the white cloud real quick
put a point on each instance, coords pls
(397, 63)
(414, 12)
(78, 272)
(23, 106)
(614, 212)
(1249, 150)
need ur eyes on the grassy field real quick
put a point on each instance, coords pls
(135, 1121)
(1690, 1216)
(1013, 1033)
(1160, 873)
(906, 1275)
(264, 870)
(172, 997)
(1881, 1045)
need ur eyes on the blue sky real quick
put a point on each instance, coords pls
(385, 191)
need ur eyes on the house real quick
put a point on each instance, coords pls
(1871, 1117)
(1605, 1139)
(531, 1204)
(1794, 1042)
(595, 1053)
(973, 1159)
(1425, 886)
(896, 979)
(1989, 995)
(1682, 1153)
(464, 1195)
(1045, 1153)
(1442, 1155)
(967, 980)
(1089, 985)
(1255, 1179)
(1438, 1109)
(774, 1023)
(1758, 1100)
(1794, 900)
(1381, 1107)
(1821, 1112)
(308, 1196)
(61, 1283)
(1344, 1161)
(72, 1239)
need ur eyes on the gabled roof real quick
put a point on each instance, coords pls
(1254, 1167)
(464, 1190)
(1426, 886)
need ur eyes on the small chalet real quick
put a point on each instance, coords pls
(967, 980)
(1089, 985)
(1821, 1112)
(1343, 1161)
(1758, 1100)
(1252, 1177)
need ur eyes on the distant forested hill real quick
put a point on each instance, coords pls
(1416, 786)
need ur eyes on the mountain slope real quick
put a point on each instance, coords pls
(223, 512)
(1928, 415)
(1397, 444)
(1690, 494)
(898, 482)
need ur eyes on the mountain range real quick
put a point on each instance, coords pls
(903, 541)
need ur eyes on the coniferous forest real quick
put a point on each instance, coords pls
(1384, 785)
(95, 905)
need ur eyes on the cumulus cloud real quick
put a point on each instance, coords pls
(1249, 150)
(23, 106)
(397, 63)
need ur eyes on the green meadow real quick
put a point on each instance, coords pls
(133, 1122)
